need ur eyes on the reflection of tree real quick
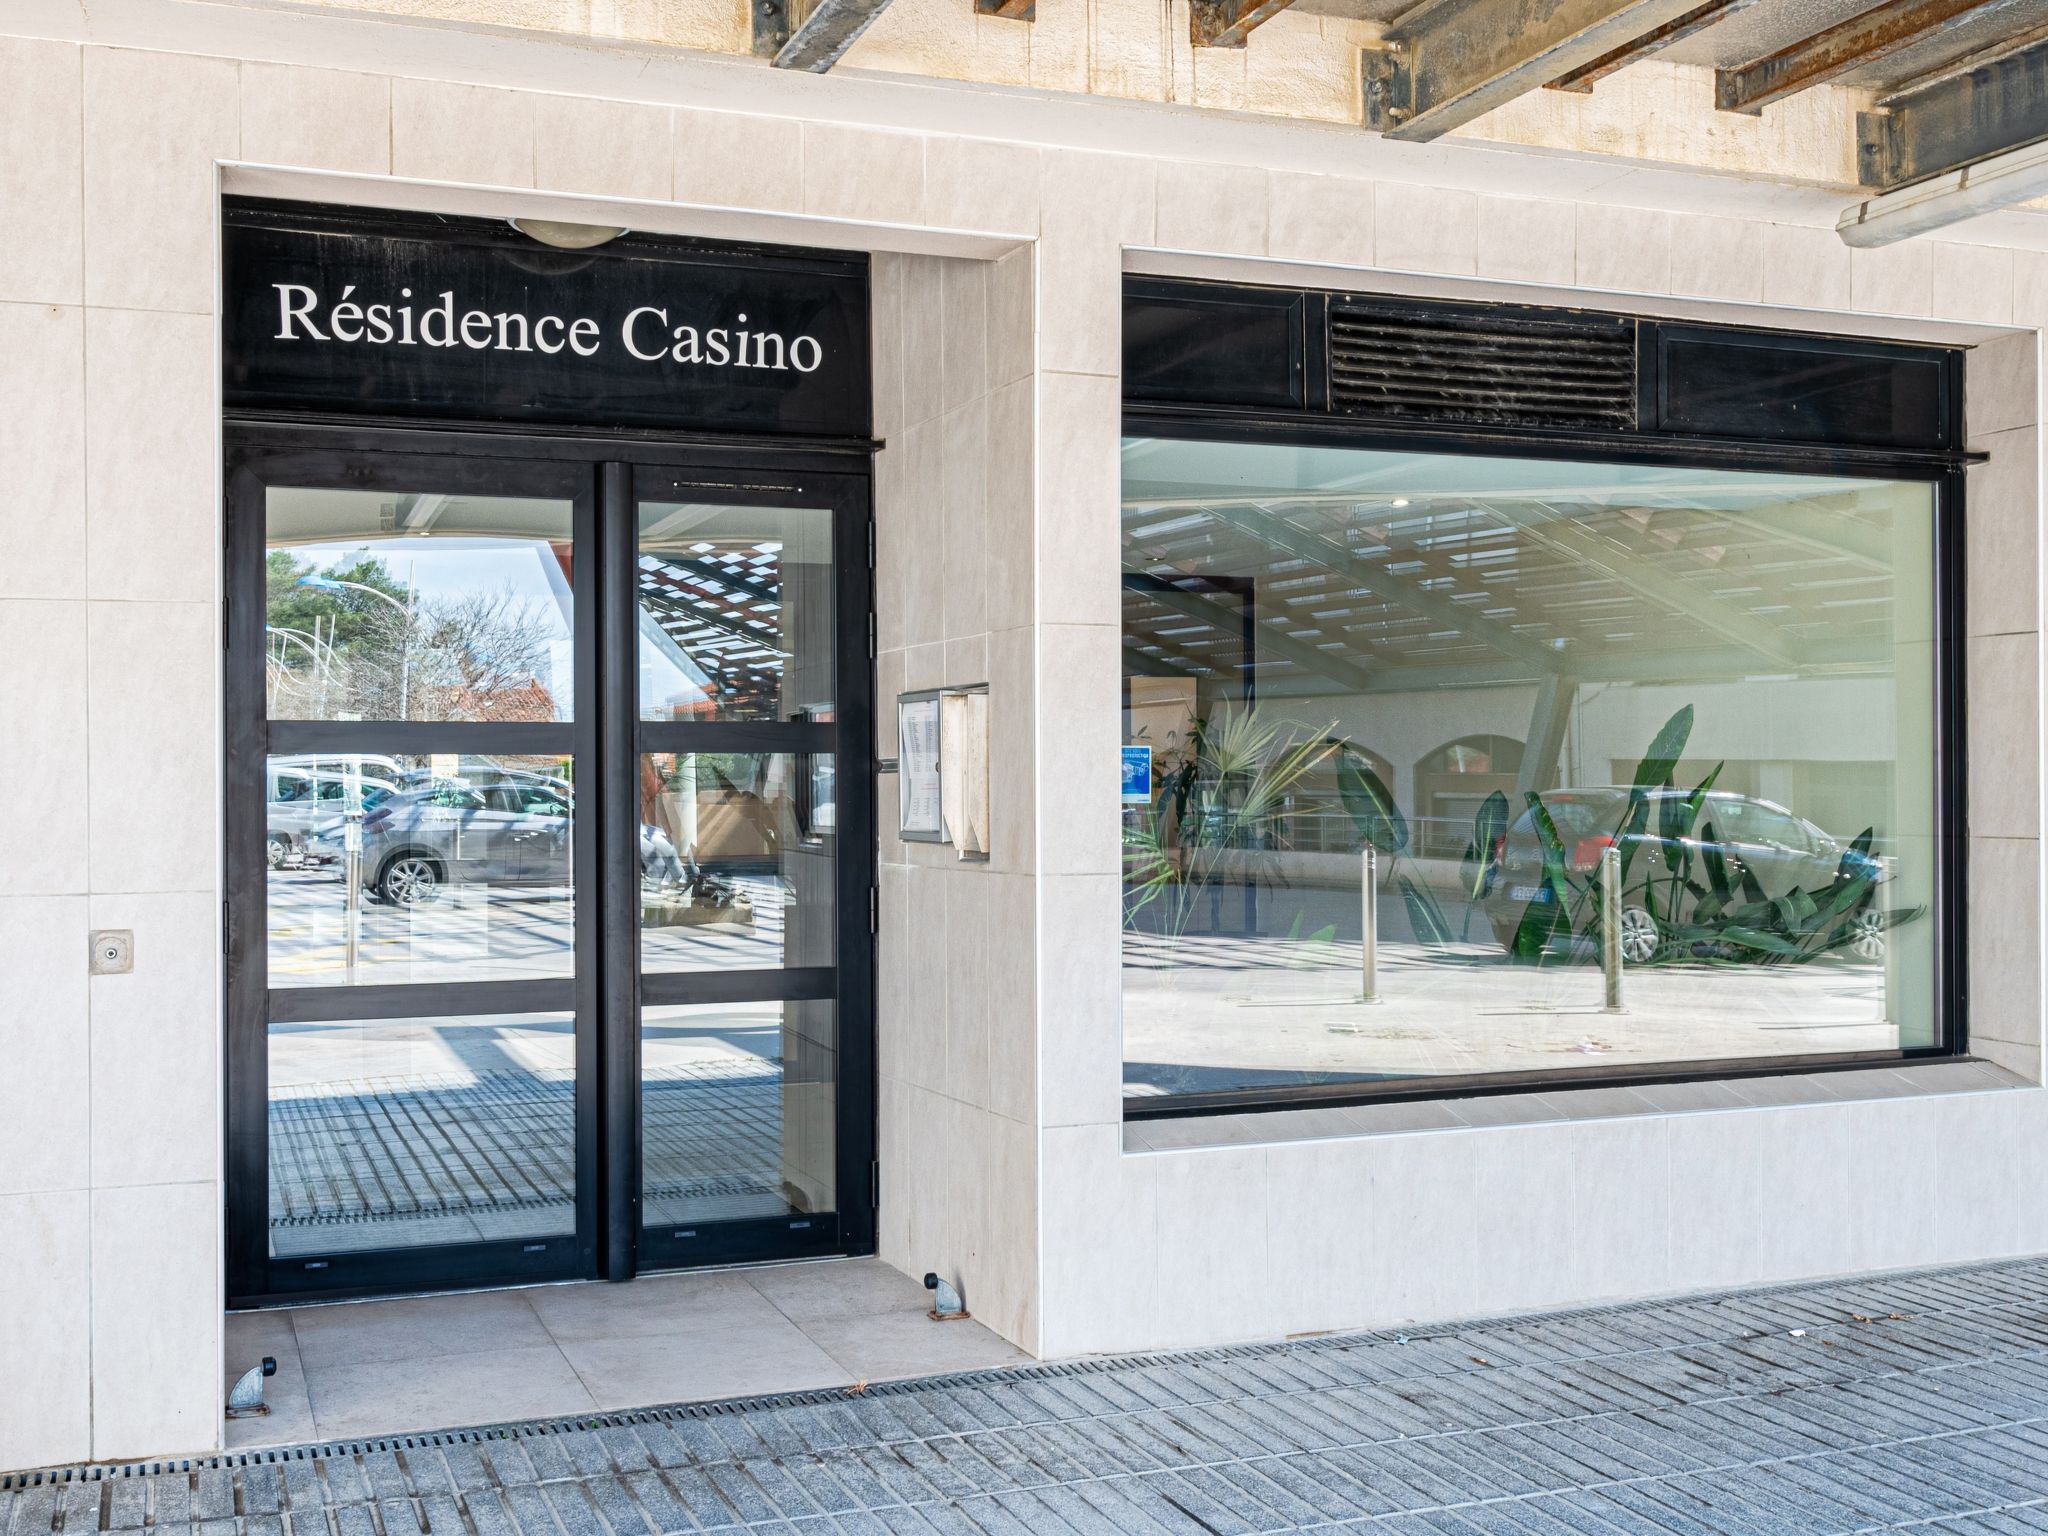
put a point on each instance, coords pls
(475, 656)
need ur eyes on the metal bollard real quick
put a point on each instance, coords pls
(1888, 1007)
(1369, 925)
(1610, 926)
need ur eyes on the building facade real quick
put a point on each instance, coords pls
(1212, 725)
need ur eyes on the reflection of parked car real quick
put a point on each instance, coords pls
(1757, 842)
(514, 830)
(304, 802)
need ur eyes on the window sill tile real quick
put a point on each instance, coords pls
(1497, 1111)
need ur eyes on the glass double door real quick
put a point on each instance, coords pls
(550, 850)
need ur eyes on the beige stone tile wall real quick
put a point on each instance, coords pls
(954, 589)
(1002, 1147)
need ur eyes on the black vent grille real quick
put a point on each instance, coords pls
(1455, 366)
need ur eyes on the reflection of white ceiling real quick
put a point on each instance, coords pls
(296, 515)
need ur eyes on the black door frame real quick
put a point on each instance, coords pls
(596, 474)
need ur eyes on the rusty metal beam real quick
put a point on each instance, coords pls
(1877, 34)
(1955, 122)
(1227, 23)
(810, 35)
(1583, 79)
(1449, 61)
(1008, 10)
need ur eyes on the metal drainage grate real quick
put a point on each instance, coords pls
(1453, 366)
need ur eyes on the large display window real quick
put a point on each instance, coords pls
(1476, 770)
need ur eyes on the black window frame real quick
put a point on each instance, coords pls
(1944, 470)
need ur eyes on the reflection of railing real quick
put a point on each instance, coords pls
(1335, 831)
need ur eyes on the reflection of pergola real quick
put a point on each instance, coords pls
(721, 607)
(1349, 593)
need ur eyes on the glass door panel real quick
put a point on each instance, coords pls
(405, 1133)
(410, 971)
(746, 680)
(736, 611)
(737, 862)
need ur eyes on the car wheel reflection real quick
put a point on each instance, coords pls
(1867, 927)
(409, 881)
(1639, 936)
(275, 851)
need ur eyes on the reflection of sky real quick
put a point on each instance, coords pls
(442, 570)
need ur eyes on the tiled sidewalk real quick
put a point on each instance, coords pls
(1897, 1403)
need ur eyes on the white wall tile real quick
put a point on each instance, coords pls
(1213, 1285)
(42, 719)
(978, 185)
(963, 444)
(1526, 240)
(152, 457)
(1013, 751)
(1805, 268)
(1417, 1213)
(2002, 534)
(1425, 229)
(863, 173)
(969, 938)
(44, 1039)
(2005, 940)
(46, 1412)
(1099, 1219)
(1079, 491)
(1318, 1268)
(42, 260)
(602, 148)
(885, 327)
(922, 523)
(156, 1321)
(2002, 389)
(329, 119)
(2005, 749)
(1621, 1208)
(155, 123)
(1716, 1186)
(1627, 250)
(1091, 207)
(1080, 990)
(1013, 1089)
(2030, 1122)
(962, 297)
(1805, 1224)
(465, 133)
(2030, 288)
(156, 1062)
(923, 314)
(1011, 497)
(726, 160)
(152, 723)
(1012, 317)
(1977, 1167)
(1213, 208)
(1893, 279)
(1896, 1188)
(1522, 1216)
(1320, 218)
(1079, 666)
(42, 451)
(1972, 282)
(1717, 258)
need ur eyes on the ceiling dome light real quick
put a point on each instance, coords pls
(566, 237)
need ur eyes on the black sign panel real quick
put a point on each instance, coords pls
(459, 319)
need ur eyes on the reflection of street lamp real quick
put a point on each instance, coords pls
(405, 609)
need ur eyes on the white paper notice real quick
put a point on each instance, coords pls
(917, 767)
